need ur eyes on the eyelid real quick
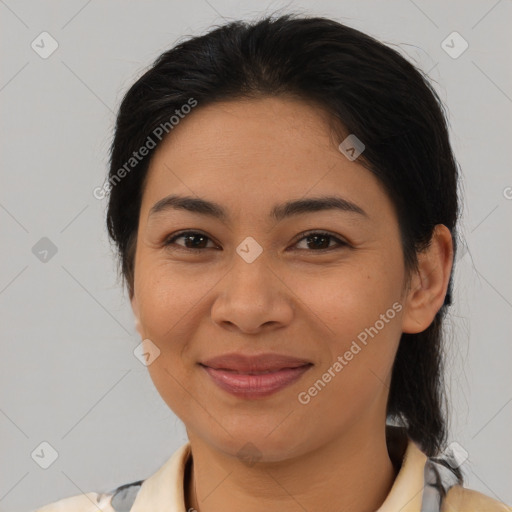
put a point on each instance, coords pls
(309, 232)
(340, 242)
(169, 240)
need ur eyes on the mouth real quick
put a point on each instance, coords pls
(255, 377)
(258, 363)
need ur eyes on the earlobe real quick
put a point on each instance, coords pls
(430, 283)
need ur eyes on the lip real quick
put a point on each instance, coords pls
(242, 363)
(253, 377)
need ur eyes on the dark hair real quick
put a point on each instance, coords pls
(369, 90)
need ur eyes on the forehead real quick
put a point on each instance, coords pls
(250, 152)
(251, 132)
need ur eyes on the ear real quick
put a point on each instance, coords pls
(136, 313)
(429, 283)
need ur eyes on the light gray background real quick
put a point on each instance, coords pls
(68, 373)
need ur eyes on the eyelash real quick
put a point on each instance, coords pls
(170, 241)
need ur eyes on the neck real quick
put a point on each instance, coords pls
(353, 473)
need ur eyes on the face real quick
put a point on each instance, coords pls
(322, 285)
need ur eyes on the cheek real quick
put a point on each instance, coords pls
(357, 353)
(359, 311)
(349, 299)
(167, 304)
(167, 308)
(167, 298)
(172, 382)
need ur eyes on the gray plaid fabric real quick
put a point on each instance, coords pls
(438, 480)
(124, 496)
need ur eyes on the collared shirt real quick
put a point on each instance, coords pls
(422, 485)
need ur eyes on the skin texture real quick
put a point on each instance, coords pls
(249, 155)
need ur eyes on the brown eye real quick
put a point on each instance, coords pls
(316, 241)
(319, 241)
(194, 241)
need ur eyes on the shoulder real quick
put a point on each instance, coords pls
(460, 499)
(165, 486)
(443, 487)
(89, 502)
(119, 499)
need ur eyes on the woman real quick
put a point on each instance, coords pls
(283, 197)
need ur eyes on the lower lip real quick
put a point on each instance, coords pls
(255, 386)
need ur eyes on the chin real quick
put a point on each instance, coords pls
(251, 447)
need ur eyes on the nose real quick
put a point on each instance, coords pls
(252, 297)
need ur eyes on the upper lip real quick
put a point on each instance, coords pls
(254, 363)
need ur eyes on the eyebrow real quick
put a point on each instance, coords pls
(278, 212)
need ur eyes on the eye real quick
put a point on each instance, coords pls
(318, 239)
(198, 241)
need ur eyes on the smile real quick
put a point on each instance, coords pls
(255, 384)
